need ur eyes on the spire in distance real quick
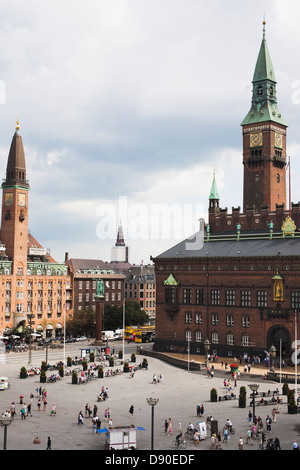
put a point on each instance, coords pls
(16, 166)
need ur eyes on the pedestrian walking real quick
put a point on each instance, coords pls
(29, 409)
(80, 419)
(95, 411)
(249, 416)
(49, 444)
(23, 413)
(201, 410)
(170, 427)
(241, 443)
(45, 404)
(249, 437)
(39, 405)
(268, 423)
(225, 435)
(179, 427)
(131, 410)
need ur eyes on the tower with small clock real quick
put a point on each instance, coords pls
(264, 140)
(14, 223)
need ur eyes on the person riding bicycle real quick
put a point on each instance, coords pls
(190, 429)
(179, 438)
(229, 424)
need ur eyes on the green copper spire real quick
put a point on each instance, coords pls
(214, 190)
(264, 102)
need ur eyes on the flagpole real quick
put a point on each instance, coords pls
(290, 193)
(296, 356)
(280, 359)
(124, 329)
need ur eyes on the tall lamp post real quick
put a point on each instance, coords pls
(206, 349)
(273, 352)
(152, 402)
(30, 317)
(5, 421)
(253, 388)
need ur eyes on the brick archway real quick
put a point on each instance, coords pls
(277, 333)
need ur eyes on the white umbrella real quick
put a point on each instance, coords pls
(35, 334)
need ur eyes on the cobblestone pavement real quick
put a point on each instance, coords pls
(178, 394)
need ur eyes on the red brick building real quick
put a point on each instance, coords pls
(239, 285)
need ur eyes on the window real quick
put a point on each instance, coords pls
(295, 300)
(187, 296)
(198, 318)
(198, 336)
(246, 298)
(245, 321)
(215, 297)
(214, 319)
(188, 317)
(230, 297)
(262, 298)
(188, 335)
(230, 339)
(215, 338)
(199, 296)
(245, 340)
(170, 295)
(229, 320)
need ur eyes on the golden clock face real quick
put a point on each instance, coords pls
(256, 140)
(278, 140)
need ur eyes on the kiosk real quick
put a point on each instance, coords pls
(120, 437)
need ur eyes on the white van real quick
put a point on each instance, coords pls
(107, 335)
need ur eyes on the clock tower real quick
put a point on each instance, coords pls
(264, 140)
(14, 221)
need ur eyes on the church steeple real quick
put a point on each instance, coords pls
(264, 102)
(16, 167)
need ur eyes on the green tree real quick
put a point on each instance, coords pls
(134, 315)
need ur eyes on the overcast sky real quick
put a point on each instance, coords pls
(126, 108)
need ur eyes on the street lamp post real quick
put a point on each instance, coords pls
(273, 352)
(206, 349)
(253, 388)
(30, 317)
(152, 402)
(5, 421)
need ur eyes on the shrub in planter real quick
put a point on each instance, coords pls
(292, 406)
(43, 377)
(213, 395)
(92, 357)
(133, 357)
(100, 373)
(74, 378)
(44, 366)
(111, 361)
(69, 361)
(126, 367)
(84, 365)
(242, 397)
(145, 363)
(61, 371)
(120, 354)
(23, 373)
(234, 368)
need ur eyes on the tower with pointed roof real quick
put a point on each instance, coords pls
(119, 252)
(14, 223)
(214, 197)
(264, 140)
